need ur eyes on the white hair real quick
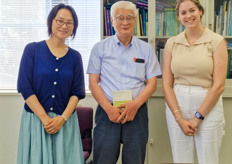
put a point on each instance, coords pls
(123, 5)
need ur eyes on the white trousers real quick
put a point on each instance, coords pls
(210, 131)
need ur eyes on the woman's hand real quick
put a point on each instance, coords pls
(195, 122)
(54, 124)
(187, 127)
(45, 120)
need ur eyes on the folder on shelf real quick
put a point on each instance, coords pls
(138, 24)
(144, 22)
(141, 22)
(108, 22)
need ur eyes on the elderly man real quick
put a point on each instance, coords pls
(122, 63)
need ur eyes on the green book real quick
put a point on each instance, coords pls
(121, 97)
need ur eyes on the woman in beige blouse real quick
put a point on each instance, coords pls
(194, 71)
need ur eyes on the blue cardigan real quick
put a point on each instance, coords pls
(53, 80)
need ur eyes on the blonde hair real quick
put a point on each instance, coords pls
(123, 5)
(196, 2)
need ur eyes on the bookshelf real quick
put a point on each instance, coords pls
(150, 10)
(221, 23)
(153, 7)
(166, 7)
(158, 147)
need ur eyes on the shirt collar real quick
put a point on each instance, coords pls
(205, 38)
(116, 40)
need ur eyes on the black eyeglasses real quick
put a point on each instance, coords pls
(61, 23)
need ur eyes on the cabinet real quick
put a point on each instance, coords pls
(158, 147)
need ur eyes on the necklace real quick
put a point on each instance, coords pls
(192, 41)
(189, 40)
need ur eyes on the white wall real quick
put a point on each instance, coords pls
(158, 147)
(11, 109)
(10, 116)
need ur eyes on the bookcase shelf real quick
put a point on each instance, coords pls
(162, 37)
(140, 37)
(153, 5)
(222, 24)
(150, 13)
(156, 149)
(158, 41)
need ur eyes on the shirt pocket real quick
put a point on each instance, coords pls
(138, 70)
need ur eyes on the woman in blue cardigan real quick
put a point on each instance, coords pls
(51, 80)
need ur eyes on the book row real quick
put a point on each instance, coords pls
(141, 22)
(160, 53)
(167, 23)
(223, 18)
(166, 19)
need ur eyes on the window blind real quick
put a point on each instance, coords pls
(24, 21)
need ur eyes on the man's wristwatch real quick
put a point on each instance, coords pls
(199, 116)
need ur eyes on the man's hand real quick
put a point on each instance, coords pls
(113, 114)
(129, 112)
